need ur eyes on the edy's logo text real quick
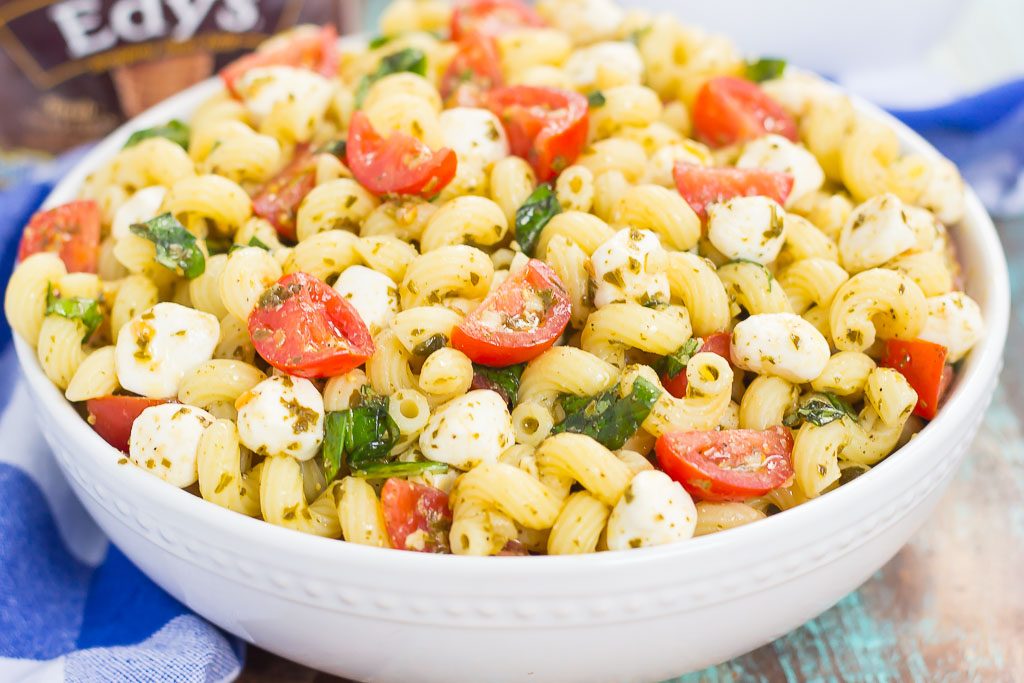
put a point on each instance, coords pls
(87, 30)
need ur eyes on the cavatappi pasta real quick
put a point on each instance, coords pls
(418, 294)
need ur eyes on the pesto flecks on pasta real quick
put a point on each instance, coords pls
(505, 280)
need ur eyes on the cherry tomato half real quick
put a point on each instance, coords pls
(491, 17)
(719, 343)
(398, 164)
(112, 416)
(305, 328)
(476, 66)
(545, 126)
(518, 321)
(730, 110)
(701, 186)
(923, 364)
(316, 50)
(278, 200)
(732, 464)
(71, 230)
(410, 508)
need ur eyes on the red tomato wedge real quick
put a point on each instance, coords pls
(316, 50)
(409, 508)
(303, 327)
(730, 110)
(732, 464)
(491, 17)
(702, 186)
(545, 126)
(398, 164)
(923, 364)
(112, 416)
(278, 200)
(71, 230)
(719, 343)
(476, 66)
(518, 321)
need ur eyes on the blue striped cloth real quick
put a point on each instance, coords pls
(72, 607)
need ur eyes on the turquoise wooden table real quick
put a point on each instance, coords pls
(948, 607)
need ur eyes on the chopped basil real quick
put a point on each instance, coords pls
(638, 35)
(609, 418)
(87, 311)
(675, 362)
(596, 99)
(540, 207)
(359, 437)
(505, 381)
(253, 242)
(378, 41)
(410, 59)
(765, 69)
(820, 410)
(432, 343)
(176, 131)
(338, 148)
(176, 247)
(383, 470)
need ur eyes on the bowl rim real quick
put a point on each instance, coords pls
(980, 370)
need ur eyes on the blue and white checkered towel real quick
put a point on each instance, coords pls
(72, 607)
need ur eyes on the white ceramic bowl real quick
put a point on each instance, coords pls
(641, 615)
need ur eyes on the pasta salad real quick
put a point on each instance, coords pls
(505, 280)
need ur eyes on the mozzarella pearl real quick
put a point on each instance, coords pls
(654, 510)
(475, 135)
(875, 232)
(630, 267)
(282, 415)
(776, 153)
(468, 430)
(138, 208)
(373, 294)
(263, 88)
(165, 441)
(751, 228)
(954, 320)
(622, 58)
(158, 347)
(780, 344)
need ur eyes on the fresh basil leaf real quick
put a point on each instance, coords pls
(338, 148)
(504, 380)
(540, 207)
(176, 131)
(378, 41)
(253, 242)
(383, 470)
(432, 343)
(596, 99)
(638, 35)
(86, 311)
(337, 425)
(765, 69)
(176, 247)
(820, 410)
(410, 59)
(571, 403)
(674, 363)
(360, 436)
(611, 419)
